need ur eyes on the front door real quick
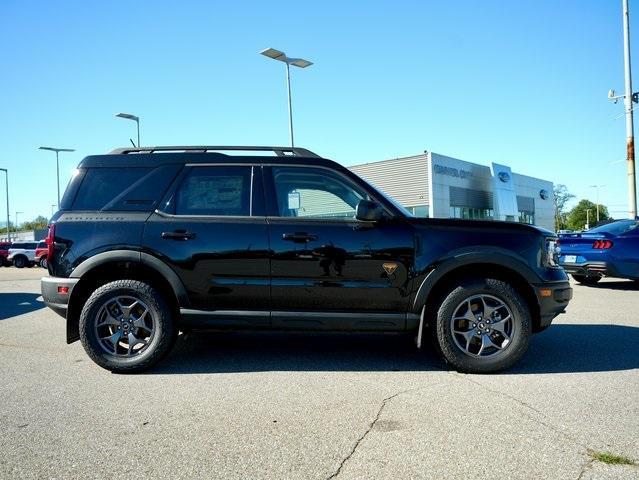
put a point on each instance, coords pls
(213, 233)
(328, 269)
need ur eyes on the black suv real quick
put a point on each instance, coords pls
(152, 241)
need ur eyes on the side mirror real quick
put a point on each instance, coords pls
(368, 211)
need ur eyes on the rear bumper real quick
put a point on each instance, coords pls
(54, 295)
(553, 299)
(619, 269)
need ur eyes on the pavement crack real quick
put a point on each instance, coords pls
(586, 466)
(370, 427)
(520, 402)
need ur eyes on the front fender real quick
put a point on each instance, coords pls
(465, 257)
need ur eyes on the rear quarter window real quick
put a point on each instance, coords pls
(101, 185)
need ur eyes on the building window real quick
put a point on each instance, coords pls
(471, 213)
(420, 211)
(527, 217)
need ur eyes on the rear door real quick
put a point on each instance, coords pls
(211, 230)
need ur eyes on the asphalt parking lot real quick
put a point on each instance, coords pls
(320, 406)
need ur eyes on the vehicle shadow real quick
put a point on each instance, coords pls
(19, 303)
(560, 349)
(617, 285)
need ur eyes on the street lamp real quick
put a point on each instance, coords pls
(57, 162)
(597, 187)
(298, 62)
(588, 218)
(17, 220)
(6, 172)
(136, 119)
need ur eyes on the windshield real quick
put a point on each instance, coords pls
(616, 228)
(388, 198)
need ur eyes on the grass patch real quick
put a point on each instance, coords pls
(611, 459)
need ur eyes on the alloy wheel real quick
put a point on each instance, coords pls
(124, 326)
(482, 326)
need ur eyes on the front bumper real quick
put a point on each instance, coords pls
(56, 292)
(553, 299)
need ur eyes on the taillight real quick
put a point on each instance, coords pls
(50, 240)
(602, 244)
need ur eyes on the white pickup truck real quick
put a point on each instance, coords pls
(22, 254)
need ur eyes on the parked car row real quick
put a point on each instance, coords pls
(23, 254)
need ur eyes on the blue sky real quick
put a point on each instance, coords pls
(522, 83)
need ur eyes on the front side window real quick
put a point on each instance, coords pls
(222, 190)
(306, 192)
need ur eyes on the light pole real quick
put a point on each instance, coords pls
(597, 187)
(17, 220)
(629, 98)
(588, 218)
(135, 118)
(298, 62)
(6, 172)
(57, 163)
(53, 209)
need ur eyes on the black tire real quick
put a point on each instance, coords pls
(43, 262)
(587, 280)
(20, 261)
(160, 343)
(500, 360)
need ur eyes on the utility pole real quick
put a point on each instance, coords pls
(588, 218)
(7, 174)
(628, 100)
(597, 187)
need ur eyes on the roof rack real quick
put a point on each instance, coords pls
(279, 151)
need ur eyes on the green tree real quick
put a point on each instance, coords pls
(36, 223)
(562, 197)
(576, 219)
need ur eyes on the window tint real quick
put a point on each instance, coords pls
(315, 193)
(24, 245)
(42, 244)
(101, 185)
(215, 191)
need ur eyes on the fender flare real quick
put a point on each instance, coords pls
(136, 257)
(500, 257)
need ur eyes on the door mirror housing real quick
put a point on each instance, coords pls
(368, 211)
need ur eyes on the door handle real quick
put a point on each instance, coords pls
(178, 235)
(299, 237)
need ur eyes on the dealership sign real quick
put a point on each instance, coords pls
(452, 172)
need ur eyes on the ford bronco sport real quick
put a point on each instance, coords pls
(152, 241)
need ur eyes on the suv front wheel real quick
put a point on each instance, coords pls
(126, 326)
(482, 326)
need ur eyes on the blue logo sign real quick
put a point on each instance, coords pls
(543, 194)
(504, 177)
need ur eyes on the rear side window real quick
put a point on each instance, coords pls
(101, 185)
(219, 190)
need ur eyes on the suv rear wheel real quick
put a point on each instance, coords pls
(482, 326)
(126, 326)
(43, 262)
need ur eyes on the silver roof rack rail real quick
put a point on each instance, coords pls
(279, 151)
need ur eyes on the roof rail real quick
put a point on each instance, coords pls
(279, 151)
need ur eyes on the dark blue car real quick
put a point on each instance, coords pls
(609, 250)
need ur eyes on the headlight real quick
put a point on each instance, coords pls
(551, 253)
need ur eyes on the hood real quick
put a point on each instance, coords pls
(482, 225)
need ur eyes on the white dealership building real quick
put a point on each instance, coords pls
(437, 186)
